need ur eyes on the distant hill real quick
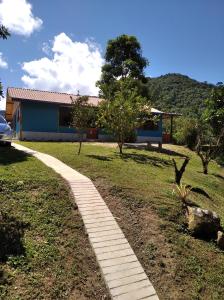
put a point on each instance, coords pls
(178, 93)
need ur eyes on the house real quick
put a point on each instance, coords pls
(45, 116)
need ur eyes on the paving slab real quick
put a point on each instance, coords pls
(104, 228)
(139, 294)
(127, 280)
(103, 244)
(121, 267)
(112, 248)
(104, 233)
(122, 272)
(115, 254)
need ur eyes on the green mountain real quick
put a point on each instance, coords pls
(178, 93)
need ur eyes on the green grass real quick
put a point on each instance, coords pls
(41, 237)
(145, 178)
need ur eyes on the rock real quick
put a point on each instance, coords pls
(203, 223)
(20, 182)
(220, 240)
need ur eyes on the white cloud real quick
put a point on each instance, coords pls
(17, 16)
(46, 48)
(74, 66)
(3, 63)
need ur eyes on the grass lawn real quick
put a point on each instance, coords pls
(138, 189)
(44, 252)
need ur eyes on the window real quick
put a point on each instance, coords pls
(65, 116)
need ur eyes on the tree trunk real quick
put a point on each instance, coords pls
(204, 161)
(120, 145)
(80, 146)
(205, 167)
(179, 173)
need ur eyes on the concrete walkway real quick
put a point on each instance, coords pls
(122, 272)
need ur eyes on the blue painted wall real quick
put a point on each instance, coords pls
(42, 117)
(152, 133)
(39, 117)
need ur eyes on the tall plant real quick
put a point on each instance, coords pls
(124, 112)
(83, 114)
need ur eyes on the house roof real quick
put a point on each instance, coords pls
(46, 96)
(21, 94)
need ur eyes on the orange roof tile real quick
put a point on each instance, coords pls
(46, 96)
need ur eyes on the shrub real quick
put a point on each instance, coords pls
(186, 132)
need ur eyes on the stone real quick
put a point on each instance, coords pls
(220, 240)
(203, 223)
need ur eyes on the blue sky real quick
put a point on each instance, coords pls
(59, 44)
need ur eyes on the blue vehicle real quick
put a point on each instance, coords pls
(6, 133)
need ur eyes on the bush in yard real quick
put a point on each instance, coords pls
(186, 132)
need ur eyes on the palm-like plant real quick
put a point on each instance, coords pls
(182, 191)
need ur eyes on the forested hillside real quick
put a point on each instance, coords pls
(178, 93)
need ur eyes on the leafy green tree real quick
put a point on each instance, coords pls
(214, 112)
(123, 60)
(83, 116)
(208, 148)
(124, 113)
(211, 129)
(4, 33)
(186, 132)
(1, 90)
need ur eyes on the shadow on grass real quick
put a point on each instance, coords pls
(200, 191)
(11, 237)
(145, 159)
(218, 176)
(154, 149)
(100, 157)
(9, 155)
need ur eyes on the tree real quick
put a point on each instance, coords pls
(123, 60)
(211, 131)
(124, 113)
(186, 132)
(214, 112)
(4, 33)
(179, 172)
(208, 148)
(1, 90)
(83, 115)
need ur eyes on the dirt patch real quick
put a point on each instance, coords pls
(143, 229)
